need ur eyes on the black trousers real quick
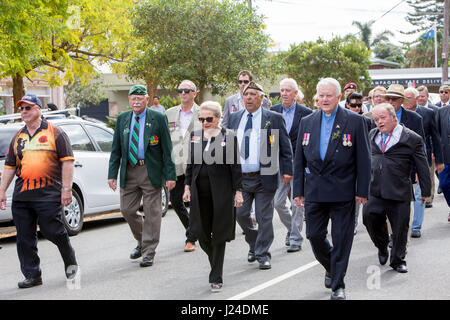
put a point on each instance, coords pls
(215, 252)
(333, 258)
(374, 218)
(176, 198)
(27, 215)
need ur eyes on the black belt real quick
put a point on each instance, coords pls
(251, 174)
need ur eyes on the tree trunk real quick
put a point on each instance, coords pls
(152, 89)
(200, 94)
(18, 90)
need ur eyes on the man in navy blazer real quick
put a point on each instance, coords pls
(331, 173)
(443, 127)
(444, 95)
(292, 113)
(432, 146)
(265, 149)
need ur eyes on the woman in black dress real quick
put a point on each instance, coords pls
(213, 187)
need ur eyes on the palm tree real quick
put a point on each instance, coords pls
(365, 34)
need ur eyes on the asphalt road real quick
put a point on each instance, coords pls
(103, 247)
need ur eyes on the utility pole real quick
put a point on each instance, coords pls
(445, 42)
(249, 3)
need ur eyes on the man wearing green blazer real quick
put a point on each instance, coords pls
(142, 150)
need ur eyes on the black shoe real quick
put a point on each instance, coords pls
(136, 253)
(30, 282)
(328, 280)
(251, 257)
(338, 294)
(416, 234)
(383, 256)
(146, 262)
(428, 205)
(265, 265)
(401, 268)
(294, 248)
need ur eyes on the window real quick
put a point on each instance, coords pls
(101, 136)
(78, 137)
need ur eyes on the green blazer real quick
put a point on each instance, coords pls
(157, 145)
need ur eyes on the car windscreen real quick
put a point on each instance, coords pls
(6, 135)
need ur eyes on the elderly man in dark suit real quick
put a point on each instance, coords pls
(292, 114)
(331, 173)
(394, 149)
(265, 149)
(444, 95)
(433, 147)
(142, 150)
(443, 126)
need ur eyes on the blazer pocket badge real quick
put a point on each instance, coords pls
(347, 140)
(196, 139)
(306, 137)
(154, 140)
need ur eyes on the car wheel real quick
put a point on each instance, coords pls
(72, 215)
(164, 200)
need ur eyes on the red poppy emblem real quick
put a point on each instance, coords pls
(43, 139)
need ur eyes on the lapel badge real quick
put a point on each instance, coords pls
(224, 140)
(306, 137)
(344, 139)
(148, 125)
(349, 140)
(196, 139)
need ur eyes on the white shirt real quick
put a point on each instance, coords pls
(395, 138)
(252, 163)
(185, 120)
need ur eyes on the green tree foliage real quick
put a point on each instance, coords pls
(426, 12)
(365, 34)
(78, 95)
(344, 60)
(421, 54)
(206, 41)
(63, 38)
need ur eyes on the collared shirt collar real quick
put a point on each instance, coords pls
(290, 109)
(332, 115)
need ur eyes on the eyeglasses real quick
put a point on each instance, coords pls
(355, 105)
(28, 108)
(185, 90)
(393, 98)
(446, 92)
(208, 119)
(243, 81)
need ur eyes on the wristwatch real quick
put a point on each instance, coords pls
(67, 189)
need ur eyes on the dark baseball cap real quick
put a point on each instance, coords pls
(30, 99)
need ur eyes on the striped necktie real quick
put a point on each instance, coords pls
(133, 155)
(246, 139)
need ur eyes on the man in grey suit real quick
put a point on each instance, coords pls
(394, 149)
(265, 149)
(235, 103)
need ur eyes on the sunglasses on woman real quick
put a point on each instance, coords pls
(208, 119)
(355, 105)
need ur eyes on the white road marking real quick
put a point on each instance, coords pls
(274, 281)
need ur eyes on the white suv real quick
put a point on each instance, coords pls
(91, 144)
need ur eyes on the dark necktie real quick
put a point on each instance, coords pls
(246, 142)
(133, 156)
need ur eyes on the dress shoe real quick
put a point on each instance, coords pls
(251, 257)
(190, 246)
(416, 234)
(294, 248)
(265, 265)
(136, 253)
(328, 280)
(30, 282)
(401, 268)
(383, 256)
(338, 294)
(146, 262)
(428, 205)
(216, 287)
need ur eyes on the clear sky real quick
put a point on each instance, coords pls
(295, 21)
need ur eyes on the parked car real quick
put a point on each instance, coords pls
(91, 195)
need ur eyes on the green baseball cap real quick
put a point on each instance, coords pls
(138, 90)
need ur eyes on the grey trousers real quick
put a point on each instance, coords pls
(137, 187)
(259, 239)
(292, 220)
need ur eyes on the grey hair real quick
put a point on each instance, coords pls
(213, 106)
(327, 82)
(423, 88)
(291, 82)
(413, 90)
(190, 83)
(385, 106)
